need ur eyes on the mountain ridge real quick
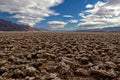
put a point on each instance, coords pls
(6, 25)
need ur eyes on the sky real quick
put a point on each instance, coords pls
(62, 14)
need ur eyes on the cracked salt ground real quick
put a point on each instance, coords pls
(59, 56)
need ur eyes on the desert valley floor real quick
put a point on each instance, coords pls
(59, 56)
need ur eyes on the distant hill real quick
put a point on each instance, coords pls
(10, 26)
(109, 29)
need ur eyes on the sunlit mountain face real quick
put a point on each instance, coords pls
(62, 14)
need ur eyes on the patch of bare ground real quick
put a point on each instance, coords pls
(59, 56)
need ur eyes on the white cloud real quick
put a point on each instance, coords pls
(29, 11)
(104, 14)
(57, 24)
(82, 15)
(73, 21)
(67, 16)
(113, 2)
(89, 6)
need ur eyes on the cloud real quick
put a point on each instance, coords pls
(73, 21)
(29, 11)
(103, 14)
(57, 24)
(89, 6)
(67, 16)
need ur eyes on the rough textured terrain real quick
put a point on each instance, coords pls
(59, 56)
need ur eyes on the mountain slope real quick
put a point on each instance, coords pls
(10, 26)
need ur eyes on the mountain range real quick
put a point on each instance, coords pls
(108, 29)
(10, 26)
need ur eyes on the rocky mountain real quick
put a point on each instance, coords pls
(10, 26)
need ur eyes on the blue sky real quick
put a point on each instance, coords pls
(62, 14)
